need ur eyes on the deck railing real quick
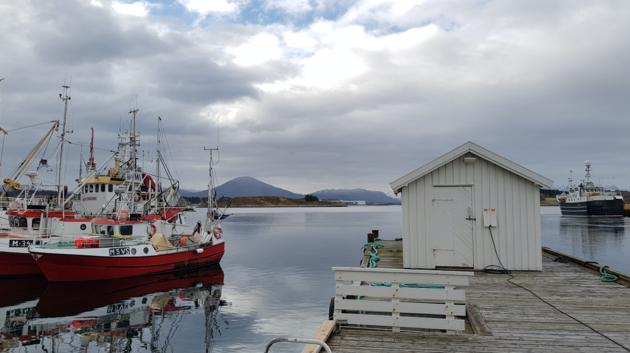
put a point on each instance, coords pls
(419, 299)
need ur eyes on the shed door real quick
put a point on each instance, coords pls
(452, 231)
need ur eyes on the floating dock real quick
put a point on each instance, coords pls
(502, 317)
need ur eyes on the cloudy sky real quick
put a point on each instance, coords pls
(316, 94)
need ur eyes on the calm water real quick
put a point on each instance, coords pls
(275, 281)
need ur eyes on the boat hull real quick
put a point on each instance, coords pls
(593, 208)
(83, 267)
(13, 264)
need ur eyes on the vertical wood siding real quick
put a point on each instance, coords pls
(515, 199)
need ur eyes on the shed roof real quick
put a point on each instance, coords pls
(478, 151)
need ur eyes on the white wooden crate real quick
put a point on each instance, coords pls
(381, 306)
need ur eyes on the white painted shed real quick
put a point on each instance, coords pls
(446, 202)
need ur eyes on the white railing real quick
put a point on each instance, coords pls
(420, 299)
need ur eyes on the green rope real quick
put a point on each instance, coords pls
(607, 277)
(561, 260)
(373, 254)
(403, 285)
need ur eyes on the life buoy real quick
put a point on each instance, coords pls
(151, 229)
(123, 215)
(136, 197)
(218, 232)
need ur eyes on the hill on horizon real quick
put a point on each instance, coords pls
(248, 186)
(251, 187)
(355, 195)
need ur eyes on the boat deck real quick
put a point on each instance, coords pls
(511, 319)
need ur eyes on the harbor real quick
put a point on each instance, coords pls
(269, 293)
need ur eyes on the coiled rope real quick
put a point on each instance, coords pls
(607, 277)
(373, 253)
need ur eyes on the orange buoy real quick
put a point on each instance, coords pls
(183, 240)
(79, 242)
(92, 242)
(77, 324)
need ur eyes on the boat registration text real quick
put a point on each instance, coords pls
(119, 251)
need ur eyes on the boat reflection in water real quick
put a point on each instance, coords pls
(143, 312)
(592, 227)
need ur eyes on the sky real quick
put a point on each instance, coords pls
(316, 94)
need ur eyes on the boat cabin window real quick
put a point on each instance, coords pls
(98, 229)
(110, 187)
(126, 230)
(96, 188)
(36, 222)
(110, 230)
(102, 187)
(23, 223)
(91, 187)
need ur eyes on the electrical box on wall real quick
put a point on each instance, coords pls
(489, 218)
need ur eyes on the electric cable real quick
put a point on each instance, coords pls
(503, 270)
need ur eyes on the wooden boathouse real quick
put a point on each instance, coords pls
(458, 205)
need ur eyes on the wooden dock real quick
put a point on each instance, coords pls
(503, 317)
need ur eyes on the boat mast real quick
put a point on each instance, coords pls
(588, 170)
(92, 164)
(133, 157)
(211, 191)
(1, 129)
(158, 158)
(65, 98)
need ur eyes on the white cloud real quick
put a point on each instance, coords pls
(401, 7)
(206, 7)
(301, 40)
(140, 9)
(260, 48)
(96, 3)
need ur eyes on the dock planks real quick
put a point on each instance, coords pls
(512, 319)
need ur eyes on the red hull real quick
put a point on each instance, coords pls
(12, 264)
(66, 268)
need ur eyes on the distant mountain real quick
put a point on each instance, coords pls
(247, 186)
(193, 193)
(355, 195)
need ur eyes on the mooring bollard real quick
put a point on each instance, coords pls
(371, 237)
(375, 232)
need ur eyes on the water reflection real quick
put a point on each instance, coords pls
(596, 227)
(135, 314)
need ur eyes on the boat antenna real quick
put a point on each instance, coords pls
(588, 170)
(570, 178)
(65, 98)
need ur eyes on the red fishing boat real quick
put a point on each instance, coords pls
(128, 248)
(125, 192)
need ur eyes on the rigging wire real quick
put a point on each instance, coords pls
(26, 127)
(170, 152)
